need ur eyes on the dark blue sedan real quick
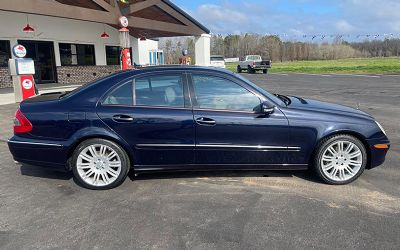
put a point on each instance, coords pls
(191, 118)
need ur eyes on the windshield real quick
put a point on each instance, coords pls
(262, 91)
(217, 58)
(254, 58)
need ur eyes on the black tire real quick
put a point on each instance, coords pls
(265, 71)
(239, 69)
(324, 144)
(250, 70)
(125, 163)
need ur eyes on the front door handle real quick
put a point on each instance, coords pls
(122, 118)
(205, 121)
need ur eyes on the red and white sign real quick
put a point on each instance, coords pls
(19, 51)
(27, 86)
(123, 21)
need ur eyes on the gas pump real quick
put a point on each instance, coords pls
(126, 61)
(22, 71)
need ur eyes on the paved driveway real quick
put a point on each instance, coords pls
(43, 208)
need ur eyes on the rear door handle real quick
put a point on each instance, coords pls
(205, 121)
(122, 118)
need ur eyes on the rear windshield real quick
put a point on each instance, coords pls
(86, 85)
(254, 58)
(217, 58)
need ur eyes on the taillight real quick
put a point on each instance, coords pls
(21, 123)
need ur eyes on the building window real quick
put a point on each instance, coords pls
(77, 54)
(112, 55)
(5, 53)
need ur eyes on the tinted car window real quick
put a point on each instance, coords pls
(163, 90)
(217, 58)
(219, 93)
(121, 96)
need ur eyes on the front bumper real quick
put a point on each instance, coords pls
(377, 155)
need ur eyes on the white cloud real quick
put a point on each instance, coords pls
(344, 27)
(219, 13)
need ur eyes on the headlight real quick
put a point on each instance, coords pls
(380, 126)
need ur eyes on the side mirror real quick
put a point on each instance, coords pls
(265, 108)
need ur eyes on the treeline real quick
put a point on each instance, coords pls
(272, 47)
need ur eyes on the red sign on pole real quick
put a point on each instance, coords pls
(27, 86)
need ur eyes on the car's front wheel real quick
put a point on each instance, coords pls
(340, 159)
(100, 164)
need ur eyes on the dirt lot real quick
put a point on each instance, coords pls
(43, 208)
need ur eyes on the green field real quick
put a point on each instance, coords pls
(387, 65)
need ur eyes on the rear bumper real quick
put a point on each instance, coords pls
(40, 153)
(260, 67)
(377, 155)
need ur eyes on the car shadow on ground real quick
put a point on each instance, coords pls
(45, 172)
(60, 174)
(302, 174)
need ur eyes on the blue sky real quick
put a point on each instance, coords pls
(297, 17)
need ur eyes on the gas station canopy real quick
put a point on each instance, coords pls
(147, 18)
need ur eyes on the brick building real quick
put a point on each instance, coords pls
(66, 42)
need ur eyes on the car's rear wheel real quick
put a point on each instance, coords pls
(340, 159)
(100, 164)
(265, 71)
(239, 69)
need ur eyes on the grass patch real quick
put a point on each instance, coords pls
(379, 65)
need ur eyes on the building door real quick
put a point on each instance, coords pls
(42, 52)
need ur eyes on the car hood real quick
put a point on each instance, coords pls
(315, 105)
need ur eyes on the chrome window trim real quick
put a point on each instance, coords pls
(225, 110)
(149, 107)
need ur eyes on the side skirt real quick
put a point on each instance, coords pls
(217, 167)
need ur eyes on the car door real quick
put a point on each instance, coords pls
(228, 131)
(153, 115)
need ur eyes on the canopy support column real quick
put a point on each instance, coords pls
(202, 50)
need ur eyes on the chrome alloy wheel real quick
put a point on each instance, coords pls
(341, 160)
(98, 165)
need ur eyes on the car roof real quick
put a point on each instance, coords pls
(166, 68)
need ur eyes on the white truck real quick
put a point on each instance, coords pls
(253, 63)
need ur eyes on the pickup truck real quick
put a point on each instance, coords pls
(253, 63)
